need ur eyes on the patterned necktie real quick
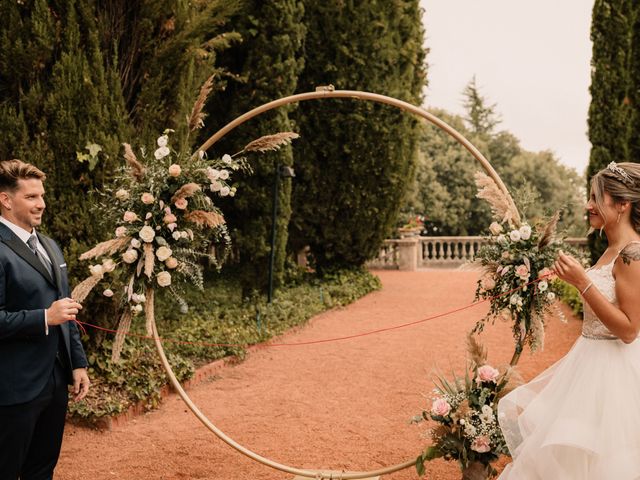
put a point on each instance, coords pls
(33, 245)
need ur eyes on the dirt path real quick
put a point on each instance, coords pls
(343, 405)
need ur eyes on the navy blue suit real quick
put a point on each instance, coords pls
(34, 367)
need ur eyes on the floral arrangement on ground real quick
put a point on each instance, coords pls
(464, 410)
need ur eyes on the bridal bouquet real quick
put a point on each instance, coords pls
(517, 260)
(165, 221)
(465, 412)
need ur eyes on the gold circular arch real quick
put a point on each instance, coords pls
(323, 92)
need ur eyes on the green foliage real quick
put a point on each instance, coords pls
(268, 62)
(137, 377)
(569, 295)
(481, 118)
(224, 318)
(355, 160)
(445, 192)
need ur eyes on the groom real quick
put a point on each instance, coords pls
(40, 349)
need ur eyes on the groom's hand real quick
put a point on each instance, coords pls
(81, 383)
(62, 311)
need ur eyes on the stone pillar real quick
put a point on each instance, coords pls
(408, 253)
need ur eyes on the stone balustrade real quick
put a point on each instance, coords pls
(412, 253)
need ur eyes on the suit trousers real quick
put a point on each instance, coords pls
(31, 432)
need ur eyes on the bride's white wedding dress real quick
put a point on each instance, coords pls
(580, 419)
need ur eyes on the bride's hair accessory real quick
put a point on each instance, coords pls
(626, 179)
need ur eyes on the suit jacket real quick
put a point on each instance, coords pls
(27, 353)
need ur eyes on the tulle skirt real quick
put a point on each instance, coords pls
(580, 419)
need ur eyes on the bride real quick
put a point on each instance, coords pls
(580, 419)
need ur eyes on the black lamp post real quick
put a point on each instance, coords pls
(282, 171)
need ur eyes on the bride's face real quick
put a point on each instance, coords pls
(601, 218)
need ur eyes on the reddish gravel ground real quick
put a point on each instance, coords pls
(339, 406)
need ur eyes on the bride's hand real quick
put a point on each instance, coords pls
(570, 270)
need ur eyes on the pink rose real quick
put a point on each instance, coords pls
(495, 228)
(169, 218)
(121, 231)
(486, 373)
(174, 170)
(440, 407)
(129, 216)
(171, 262)
(546, 272)
(522, 271)
(147, 198)
(481, 444)
(181, 203)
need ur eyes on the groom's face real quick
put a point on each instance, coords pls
(26, 204)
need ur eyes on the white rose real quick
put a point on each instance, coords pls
(121, 231)
(215, 186)
(224, 174)
(161, 152)
(147, 234)
(163, 279)
(515, 298)
(163, 253)
(226, 158)
(543, 285)
(184, 235)
(96, 271)
(176, 235)
(515, 236)
(108, 265)
(224, 191)
(130, 256)
(525, 232)
(551, 296)
(501, 239)
(135, 243)
(162, 141)
(136, 308)
(213, 173)
(108, 293)
(122, 194)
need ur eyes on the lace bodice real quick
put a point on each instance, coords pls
(602, 278)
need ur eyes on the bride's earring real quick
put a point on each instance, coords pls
(618, 220)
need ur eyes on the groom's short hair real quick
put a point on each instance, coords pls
(13, 170)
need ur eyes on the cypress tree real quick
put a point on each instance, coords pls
(634, 87)
(609, 112)
(355, 159)
(267, 63)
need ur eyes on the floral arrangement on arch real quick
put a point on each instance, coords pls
(465, 412)
(166, 222)
(517, 261)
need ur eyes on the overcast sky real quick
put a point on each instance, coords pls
(531, 58)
